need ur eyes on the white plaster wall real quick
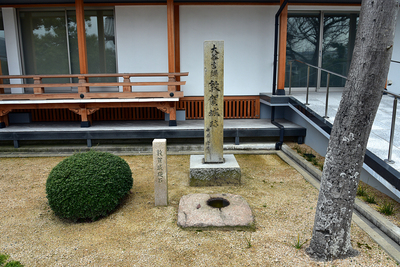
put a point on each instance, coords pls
(248, 35)
(141, 42)
(394, 71)
(12, 46)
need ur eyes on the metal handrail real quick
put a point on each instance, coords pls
(319, 68)
(308, 82)
(395, 96)
(392, 128)
(393, 125)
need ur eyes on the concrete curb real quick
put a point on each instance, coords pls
(378, 220)
(126, 150)
(391, 230)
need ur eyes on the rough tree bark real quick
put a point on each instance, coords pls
(351, 129)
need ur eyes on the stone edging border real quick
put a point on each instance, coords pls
(387, 227)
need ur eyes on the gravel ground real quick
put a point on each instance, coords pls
(139, 234)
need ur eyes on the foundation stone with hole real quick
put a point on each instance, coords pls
(214, 210)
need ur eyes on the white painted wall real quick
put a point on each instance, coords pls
(141, 42)
(394, 71)
(248, 35)
(12, 46)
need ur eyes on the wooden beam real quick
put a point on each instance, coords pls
(112, 4)
(171, 35)
(1, 80)
(80, 26)
(4, 117)
(282, 48)
(177, 44)
(111, 95)
(92, 75)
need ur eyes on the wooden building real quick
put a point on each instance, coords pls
(61, 53)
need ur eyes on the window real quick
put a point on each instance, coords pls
(303, 44)
(50, 45)
(338, 45)
(3, 54)
(332, 52)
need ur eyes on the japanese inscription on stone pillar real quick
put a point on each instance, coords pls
(160, 172)
(213, 101)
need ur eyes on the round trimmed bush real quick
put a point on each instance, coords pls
(88, 185)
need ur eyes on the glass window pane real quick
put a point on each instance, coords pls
(73, 43)
(3, 54)
(302, 44)
(100, 43)
(338, 45)
(44, 43)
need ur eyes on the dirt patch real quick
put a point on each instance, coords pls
(139, 234)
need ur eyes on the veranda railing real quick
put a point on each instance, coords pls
(395, 97)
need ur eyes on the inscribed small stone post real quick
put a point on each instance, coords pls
(160, 172)
(213, 101)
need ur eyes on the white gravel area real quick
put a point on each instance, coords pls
(139, 234)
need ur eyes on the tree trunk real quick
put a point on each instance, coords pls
(351, 129)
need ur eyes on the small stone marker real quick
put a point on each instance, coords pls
(213, 101)
(160, 172)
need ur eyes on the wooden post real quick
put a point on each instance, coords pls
(177, 45)
(126, 88)
(171, 55)
(82, 89)
(282, 50)
(84, 116)
(172, 112)
(80, 26)
(171, 35)
(4, 118)
(171, 88)
(38, 90)
(1, 80)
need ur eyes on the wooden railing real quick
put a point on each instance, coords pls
(84, 101)
(235, 107)
(84, 86)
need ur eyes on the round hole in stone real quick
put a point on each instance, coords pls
(218, 202)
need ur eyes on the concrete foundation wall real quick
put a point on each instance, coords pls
(319, 139)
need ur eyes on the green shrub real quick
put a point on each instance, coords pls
(361, 191)
(370, 199)
(386, 208)
(13, 264)
(88, 185)
(4, 258)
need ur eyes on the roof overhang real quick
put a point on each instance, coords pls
(58, 2)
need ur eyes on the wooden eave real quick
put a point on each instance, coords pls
(32, 3)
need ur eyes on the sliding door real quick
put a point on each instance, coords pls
(50, 45)
(324, 40)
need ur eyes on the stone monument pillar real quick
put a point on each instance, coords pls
(213, 101)
(214, 168)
